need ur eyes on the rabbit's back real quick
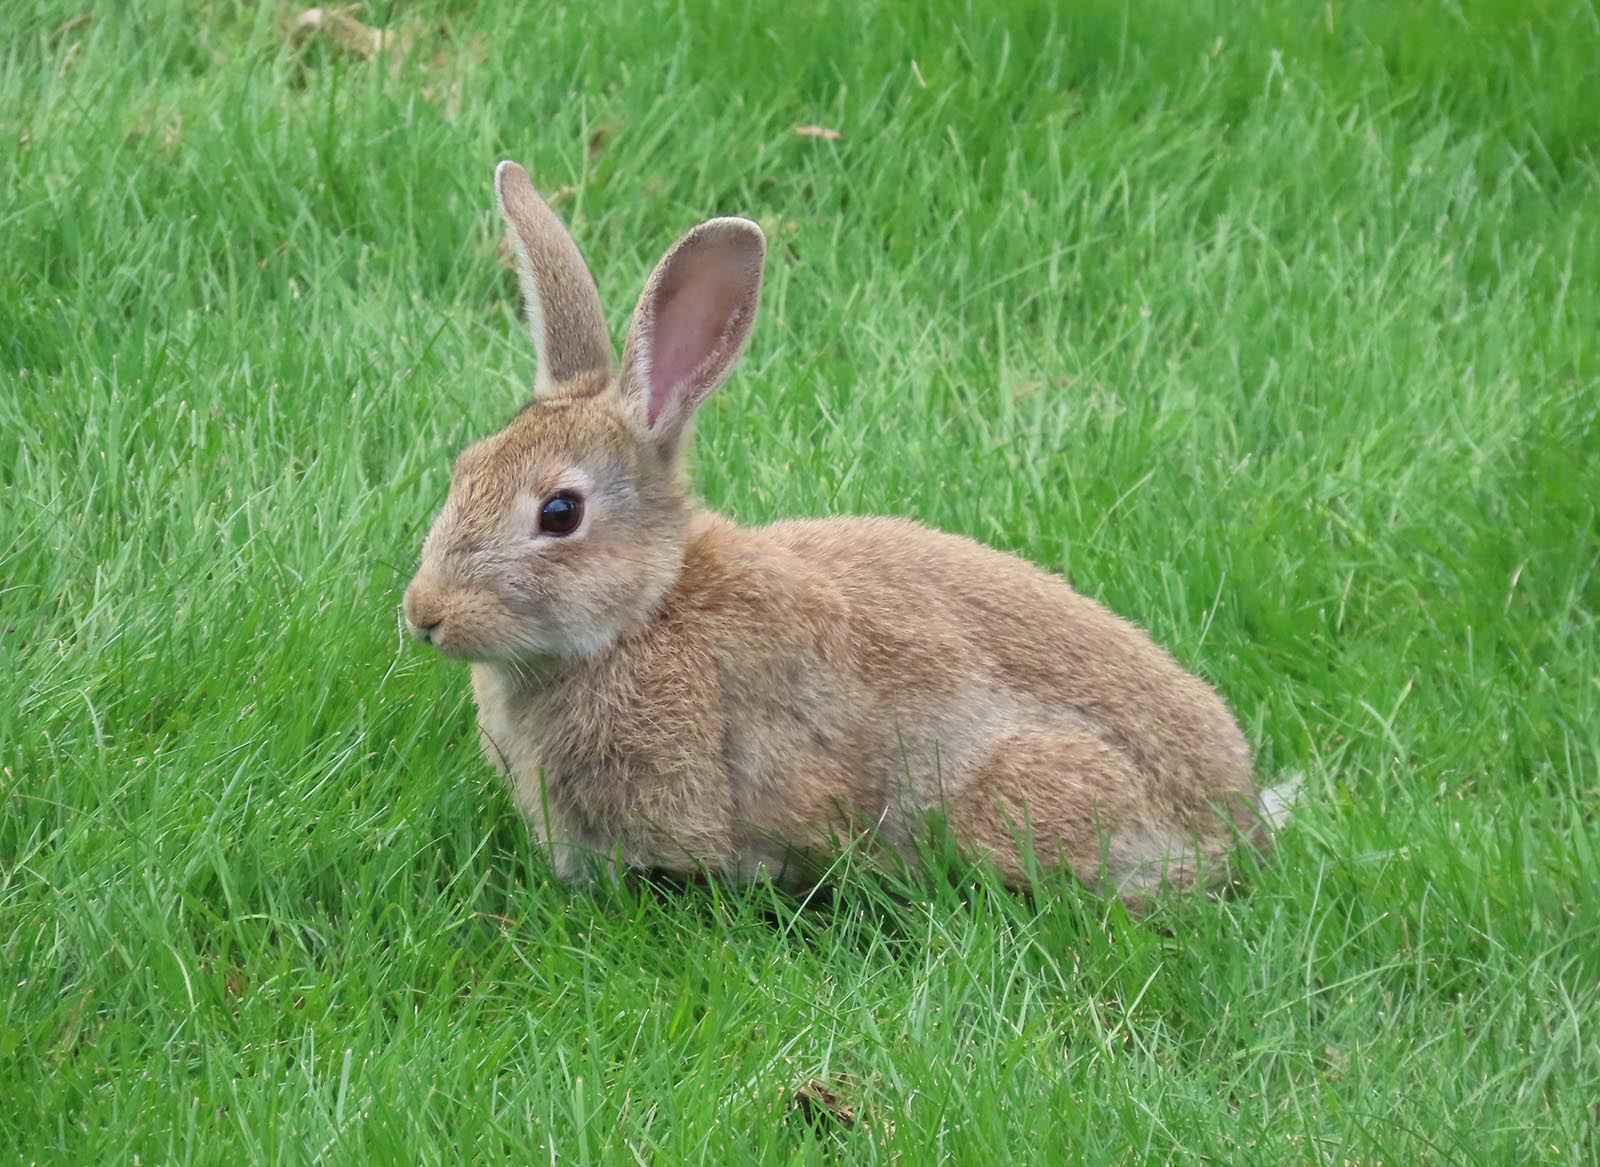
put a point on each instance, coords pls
(933, 614)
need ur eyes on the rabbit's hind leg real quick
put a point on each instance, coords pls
(1066, 798)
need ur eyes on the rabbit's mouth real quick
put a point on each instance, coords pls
(476, 627)
(443, 636)
(465, 623)
(458, 640)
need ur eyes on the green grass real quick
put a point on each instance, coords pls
(1272, 325)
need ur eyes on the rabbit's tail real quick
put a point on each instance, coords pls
(1275, 804)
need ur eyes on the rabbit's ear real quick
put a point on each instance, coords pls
(691, 323)
(564, 314)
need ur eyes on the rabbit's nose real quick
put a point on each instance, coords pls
(422, 609)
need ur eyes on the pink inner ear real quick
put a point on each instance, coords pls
(697, 307)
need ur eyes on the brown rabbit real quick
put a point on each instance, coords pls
(667, 690)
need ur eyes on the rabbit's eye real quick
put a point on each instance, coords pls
(561, 513)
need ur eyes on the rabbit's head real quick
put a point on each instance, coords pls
(565, 529)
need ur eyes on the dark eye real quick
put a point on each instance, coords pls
(561, 513)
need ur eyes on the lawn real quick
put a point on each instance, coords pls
(1272, 325)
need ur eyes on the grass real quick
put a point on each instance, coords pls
(1272, 325)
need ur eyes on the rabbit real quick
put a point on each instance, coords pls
(663, 689)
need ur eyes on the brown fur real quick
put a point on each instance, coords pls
(665, 689)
